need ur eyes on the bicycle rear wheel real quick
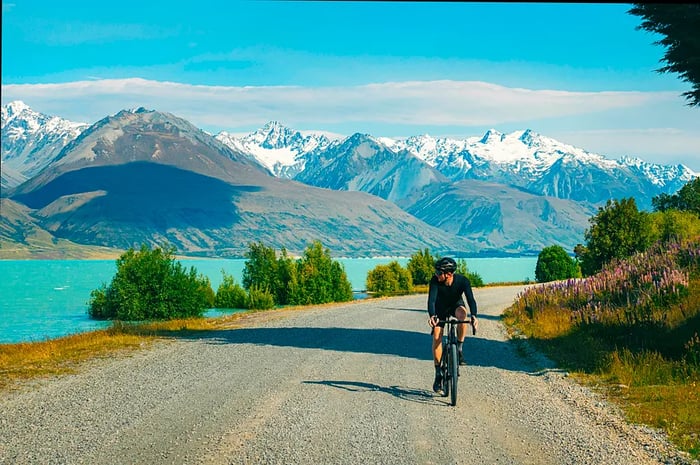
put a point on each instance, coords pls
(453, 367)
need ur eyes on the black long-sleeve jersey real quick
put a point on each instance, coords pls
(443, 299)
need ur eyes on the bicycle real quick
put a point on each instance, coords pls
(449, 362)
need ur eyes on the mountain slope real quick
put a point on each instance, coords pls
(362, 163)
(544, 166)
(145, 176)
(30, 140)
(499, 219)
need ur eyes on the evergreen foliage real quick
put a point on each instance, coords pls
(259, 298)
(260, 267)
(230, 294)
(314, 278)
(554, 264)
(686, 199)
(618, 230)
(151, 285)
(421, 265)
(389, 279)
(679, 24)
(318, 278)
(675, 225)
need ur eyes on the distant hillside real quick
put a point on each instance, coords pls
(146, 176)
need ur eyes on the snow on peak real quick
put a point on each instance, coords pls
(491, 136)
(14, 108)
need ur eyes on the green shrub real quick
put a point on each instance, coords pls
(259, 298)
(421, 265)
(230, 294)
(260, 268)
(675, 225)
(554, 264)
(618, 231)
(390, 279)
(151, 285)
(312, 279)
(318, 278)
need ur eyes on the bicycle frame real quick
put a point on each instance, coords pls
(449, 363)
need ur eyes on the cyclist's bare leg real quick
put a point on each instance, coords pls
(461, 314)
(437, 344)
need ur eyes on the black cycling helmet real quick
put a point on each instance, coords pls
(446, 265)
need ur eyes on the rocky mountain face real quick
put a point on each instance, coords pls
(30, 140)
(150, 177)
(494, 194)
(514, 193)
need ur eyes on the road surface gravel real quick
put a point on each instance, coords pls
(336, 384)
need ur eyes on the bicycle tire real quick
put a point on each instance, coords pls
(453, 368)
(445, 372)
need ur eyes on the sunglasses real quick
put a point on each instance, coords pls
(439, 273)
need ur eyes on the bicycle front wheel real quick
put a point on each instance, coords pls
(453, 367)
(444, 367)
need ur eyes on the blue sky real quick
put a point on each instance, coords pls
(577, 72)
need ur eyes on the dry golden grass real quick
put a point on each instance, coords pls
(31, 360)
(24, 361)
(648, 387)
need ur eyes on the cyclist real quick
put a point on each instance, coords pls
(445, 299)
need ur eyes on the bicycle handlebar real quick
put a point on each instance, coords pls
(456, 321)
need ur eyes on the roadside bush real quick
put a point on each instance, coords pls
(390, 279)
(260, 268)
(312, 279)
(421, 265)
(554, 264)
(259, 298)
(675, 225)
(318, 278)
(230, 294)
(618, 231)
(151, 285)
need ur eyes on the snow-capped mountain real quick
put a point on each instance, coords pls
(522, 159)
(30, 140)
(502, 193)
(363, 163)
(532, 161)
(281, 150)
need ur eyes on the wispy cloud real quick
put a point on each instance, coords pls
(417, 103)
(627, 118)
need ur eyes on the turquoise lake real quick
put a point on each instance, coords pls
(44, 299)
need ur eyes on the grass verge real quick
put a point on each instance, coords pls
(649, 368)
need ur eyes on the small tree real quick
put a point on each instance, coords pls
(618, 230)
(286, 277)
(318, 278)
(230, 294)
(675, 225)
(260, 268)
(390, 279)
(686, 199)
(553, 264)
(421, 266)
(151, 285)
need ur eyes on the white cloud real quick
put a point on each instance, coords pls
(417, 102)
(610, 123)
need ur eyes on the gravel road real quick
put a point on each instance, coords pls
(338, 384)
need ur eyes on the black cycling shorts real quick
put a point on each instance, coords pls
(443, 315)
